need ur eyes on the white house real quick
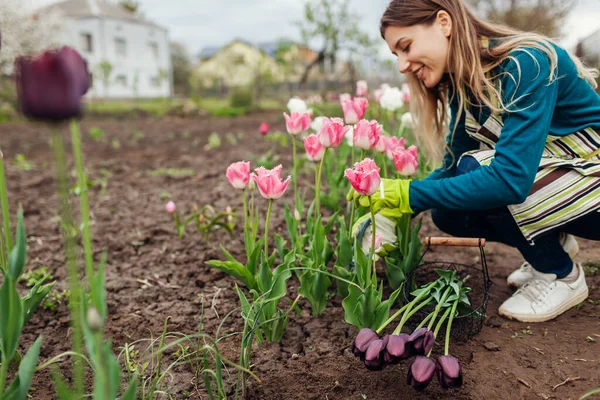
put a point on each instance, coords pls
(128, 55)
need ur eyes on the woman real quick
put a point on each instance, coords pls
(522, 154)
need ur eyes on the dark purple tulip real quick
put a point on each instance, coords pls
(420, 373)
(50, 86)
(397, 349)
(375, 355)
(362, 341)
(449, 372)
(420, 340)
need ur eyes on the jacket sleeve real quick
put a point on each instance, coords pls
(531, 99)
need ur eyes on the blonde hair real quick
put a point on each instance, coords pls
(471, 61)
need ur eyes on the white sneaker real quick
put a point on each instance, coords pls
(545, 297)
(525, 272)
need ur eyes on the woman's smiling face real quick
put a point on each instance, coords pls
(422, 49)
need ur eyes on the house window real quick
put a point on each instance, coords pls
(86, 42)
(121, 47)
(153, 46)
(121, 80)
(155, 81)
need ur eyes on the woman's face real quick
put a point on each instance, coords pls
(422, 49)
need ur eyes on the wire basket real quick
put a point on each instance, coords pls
(464, 327)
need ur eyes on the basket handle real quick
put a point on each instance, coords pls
(454, 241)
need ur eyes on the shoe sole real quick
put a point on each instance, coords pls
(572, 254)
(547, 317)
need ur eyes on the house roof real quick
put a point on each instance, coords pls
(97, 9)
(269, 48)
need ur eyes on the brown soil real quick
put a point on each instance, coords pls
(152, 275)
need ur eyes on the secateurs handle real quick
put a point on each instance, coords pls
(454, 241)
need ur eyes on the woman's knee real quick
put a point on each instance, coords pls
(443, 220)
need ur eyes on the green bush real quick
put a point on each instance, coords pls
(241, 97)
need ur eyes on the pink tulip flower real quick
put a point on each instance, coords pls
(405, 93)
(314, 149)
(361, 88)
(332, 132)
(381, 144)
(354, 110)
(238, 174)
(344, 97)
(364, 177)
(269, 182)
(264, 128)
(170, 207)
(296, 123)
(392, 144)
(406, 161)
(367, 134)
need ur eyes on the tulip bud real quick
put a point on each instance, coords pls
(363, 340)
(449, 372)
(420, 373)
(397, 348)
(94, 320)
(375, 354)
(415, 341)
(263, 128)
(297, 215)
(170, 207)
(229, 217)
(428, 342)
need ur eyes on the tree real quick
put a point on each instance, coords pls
(331, 23)
(182, 68)
(131, 6)
(104, 70)
(542, 16)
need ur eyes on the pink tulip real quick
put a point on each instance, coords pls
(364, 178)
(170, 207)
(361, 88)
(332, 132)
(296, 123)
(344, 97)
(392, 144)
(366, 134)
(238, 174)
(264, 128)
(354, 110)
(378, 93)
(314, 148)
(269, 182)
(406, 161)
(405, 93)
(381, 144)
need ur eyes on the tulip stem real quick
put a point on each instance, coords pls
(3, 373)
(439, 325)
(73, 273)
(295, 172)
(318, 187)
(425, 320)
(373, 235)
(245, 201)
(384, 163)
(408, 314)
(391, 319)
(362, 154)
(5, 212)
(449, 327)
(267, 229)
(85, 211)
(439, 307)
(425, 291)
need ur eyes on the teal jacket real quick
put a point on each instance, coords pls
(565, 106)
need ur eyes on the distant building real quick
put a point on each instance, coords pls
(135, 51)
(589, 49)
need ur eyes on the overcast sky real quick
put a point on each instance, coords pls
(202, 23)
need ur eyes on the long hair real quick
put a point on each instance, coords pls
(470, 60)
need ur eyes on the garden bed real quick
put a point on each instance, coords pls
(151, 274)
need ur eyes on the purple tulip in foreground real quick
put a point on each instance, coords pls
(362, 341)
(421, 341)
(50, 86)
(375, 355)
(449, 372)
(420, 373)
(397, 348)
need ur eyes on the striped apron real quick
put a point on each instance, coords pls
(567, 184)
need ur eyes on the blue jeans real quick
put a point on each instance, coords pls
(498, 225)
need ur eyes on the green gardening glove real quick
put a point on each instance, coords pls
(392, 196)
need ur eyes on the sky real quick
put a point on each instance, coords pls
(207, 23)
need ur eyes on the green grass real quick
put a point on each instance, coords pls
(154, 107)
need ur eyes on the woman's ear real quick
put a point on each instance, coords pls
(445, 22)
